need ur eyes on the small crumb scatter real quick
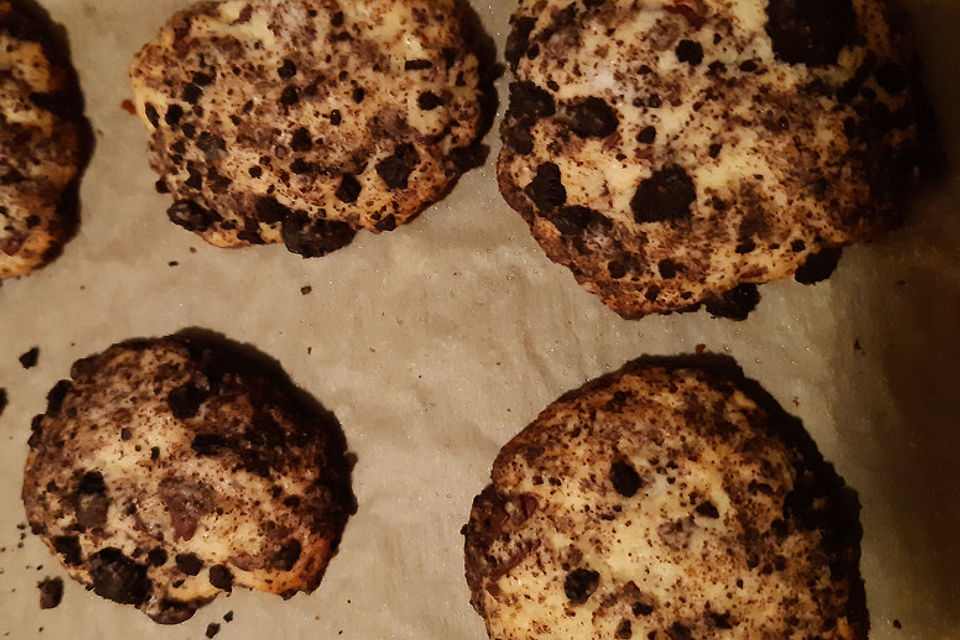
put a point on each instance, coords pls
(701, 348)
(212, 629)
(228, 616)
(306, 290)
(127, 105)
(3, 400)
(897, 625)
(29, 359)
(173, 263)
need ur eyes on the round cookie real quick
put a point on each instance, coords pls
(42, 141)
(169, 470)
(665, 501)
(677, 153)
(304, 121)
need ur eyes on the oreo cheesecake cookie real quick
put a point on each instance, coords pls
(302, 121)
(670, 499)
(44, 140)
(679, 153)
(167, 471)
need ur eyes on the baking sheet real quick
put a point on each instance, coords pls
(436, 343)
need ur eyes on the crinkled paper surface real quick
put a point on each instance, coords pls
(436, 343)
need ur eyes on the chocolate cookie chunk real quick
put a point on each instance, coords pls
(168, 470)
(723, 145)
(670, 499)
(302, 122)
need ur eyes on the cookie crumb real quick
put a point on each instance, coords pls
(701, 349)
(897, 625)
(3, 400)
(305, 290)
(228, 616)
(51, 592)
(212, 629)
(127, 105)
(29, 359)
(173, 263)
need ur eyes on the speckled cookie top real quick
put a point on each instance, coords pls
(670, 152)
(40, 142)
(665, 503)
(303, 121)
(163, 475)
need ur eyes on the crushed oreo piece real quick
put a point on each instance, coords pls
(546, 189)
(580, 584)
(29, 359)
(51, 592)
(665, 196)
(625, 478)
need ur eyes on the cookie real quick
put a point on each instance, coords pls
(43, 141)
(305, 121)
(678, 154)
(166, 471)
(669, 500)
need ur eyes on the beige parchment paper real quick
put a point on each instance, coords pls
(436, 343)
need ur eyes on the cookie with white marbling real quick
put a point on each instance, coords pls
(668, 500)
(167, 471)
(673, 154)
(305, 121)
(42, 141)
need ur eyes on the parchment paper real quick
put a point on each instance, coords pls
(436, 343)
